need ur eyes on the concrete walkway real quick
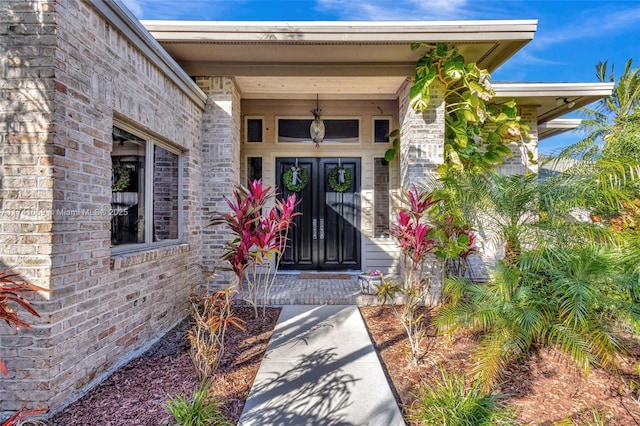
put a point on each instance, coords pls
(320, 369)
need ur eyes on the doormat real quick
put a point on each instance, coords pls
(315, 276)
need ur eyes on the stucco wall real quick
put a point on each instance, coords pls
(68, 72)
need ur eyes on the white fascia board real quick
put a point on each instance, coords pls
(561, 124)
(122, 19)
(516, 90)
(342, 31)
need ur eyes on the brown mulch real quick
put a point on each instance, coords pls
(135, 394)
(545, 389)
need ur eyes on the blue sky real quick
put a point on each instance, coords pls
(572, 36)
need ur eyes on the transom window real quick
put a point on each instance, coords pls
(344, 130)
(145, 192)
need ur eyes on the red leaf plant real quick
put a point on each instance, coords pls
(260, 237)
(11, 289)
(17, 418)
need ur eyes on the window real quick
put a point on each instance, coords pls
(381, 130)
(381, 197)
(254, 168)
(145, 192)
(253, 129)
(336, 130)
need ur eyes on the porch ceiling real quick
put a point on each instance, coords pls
(337, 60)
(356, 60)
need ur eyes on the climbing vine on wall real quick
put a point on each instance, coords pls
(477, 133)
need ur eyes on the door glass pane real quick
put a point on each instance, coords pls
(127, 188)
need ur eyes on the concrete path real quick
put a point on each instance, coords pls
(320, 369)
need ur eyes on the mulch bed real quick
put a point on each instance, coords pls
(545, 389)
(135, 394)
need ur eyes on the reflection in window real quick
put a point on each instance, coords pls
(336, 130)
(145, 192)
(127, 188)
(165, 194)
(381, 197)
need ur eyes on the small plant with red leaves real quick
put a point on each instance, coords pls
(18, 417)
(12, 287)
(212, 315)
(413, 235)
(260, 237)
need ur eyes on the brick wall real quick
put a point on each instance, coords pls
(67, 74)
(421, 137)
(421, 150)
(221, 125)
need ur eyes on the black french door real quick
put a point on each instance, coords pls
(327, 234)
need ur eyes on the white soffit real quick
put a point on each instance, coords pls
(557, 126)
(553, 100)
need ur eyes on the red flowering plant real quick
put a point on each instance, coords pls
(413, 235)
(260, 237)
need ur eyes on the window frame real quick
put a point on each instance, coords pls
(149, 164)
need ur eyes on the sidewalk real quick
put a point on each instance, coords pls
(320, 369)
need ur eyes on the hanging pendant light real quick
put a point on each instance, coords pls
(317, 129)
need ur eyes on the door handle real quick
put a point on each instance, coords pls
(322, 229)
(315, 229)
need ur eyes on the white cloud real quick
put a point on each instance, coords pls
(592, 23)
(135, 7)
(398, 10)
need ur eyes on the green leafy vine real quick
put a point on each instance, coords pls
(477, 133)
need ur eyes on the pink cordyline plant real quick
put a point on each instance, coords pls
(259, 236)
(413, 236)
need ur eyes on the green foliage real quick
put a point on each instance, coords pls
(477, 133)
(565, 297)
(593, 418)
(197, 410)
(391, 153)
(449, 401)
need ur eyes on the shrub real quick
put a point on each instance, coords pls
(449, 401)
(212, 315)
(259, 237)
(198, 410)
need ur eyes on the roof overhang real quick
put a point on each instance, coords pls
(553, 100)
(358, 60)
(338, 60)
(557, 126)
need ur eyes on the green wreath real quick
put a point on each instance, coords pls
(121, 178)
(303, 179)
(333, 179)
